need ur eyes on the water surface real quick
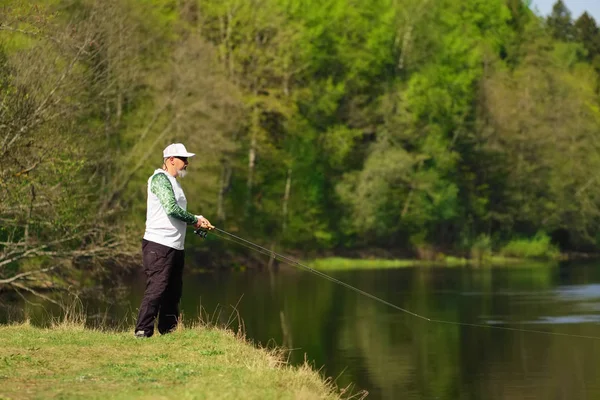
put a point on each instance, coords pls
(394, 355)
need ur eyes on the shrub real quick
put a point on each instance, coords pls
(481, 249)
(537, 247)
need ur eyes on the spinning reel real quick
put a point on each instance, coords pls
(201, 232)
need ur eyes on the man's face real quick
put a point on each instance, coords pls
(181, 164)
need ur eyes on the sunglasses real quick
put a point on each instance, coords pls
(184, 159)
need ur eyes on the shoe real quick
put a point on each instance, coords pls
(140, 335)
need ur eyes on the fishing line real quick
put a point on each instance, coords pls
(253, 246)
(279, 257)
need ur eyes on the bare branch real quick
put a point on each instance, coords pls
(34, 252)
(28, 169)
(23, 275)
(141, 161)
(38, 294)
(22, 254)
(41, 107)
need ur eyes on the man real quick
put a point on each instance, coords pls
(162, 246)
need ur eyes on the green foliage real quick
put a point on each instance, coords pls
(481, 249)
(588, 34)
(318, 124)
(560, 23)
(539, 247)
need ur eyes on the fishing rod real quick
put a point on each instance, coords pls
(263, 250)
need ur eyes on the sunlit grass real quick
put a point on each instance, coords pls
(339, 263)
(538, 247)
(69, 361)
(357, 263)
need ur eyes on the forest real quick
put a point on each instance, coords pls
(396, 127)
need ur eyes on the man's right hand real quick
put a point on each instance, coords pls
(203, 223)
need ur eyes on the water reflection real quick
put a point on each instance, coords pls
(395, 355)
(567, 319)
(579, 292)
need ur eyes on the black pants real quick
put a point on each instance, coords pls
(163, 267)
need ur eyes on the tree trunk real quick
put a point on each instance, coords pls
(406, 41)
(29, 215)
(119, 84)
(252, 155)
(286, 198)
(225, 180)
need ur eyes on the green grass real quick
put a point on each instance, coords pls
(536, 251)
(333, 263)
(71, 362)
(339, 263)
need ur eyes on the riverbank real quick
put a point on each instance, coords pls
(374, 259)
(483, 252)
(69, 361)
(342, 263)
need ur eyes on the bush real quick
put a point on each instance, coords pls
(481, 249)
(537, 247)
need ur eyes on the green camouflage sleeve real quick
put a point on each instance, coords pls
(162, 188)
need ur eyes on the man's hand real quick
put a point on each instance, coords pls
(203, 223)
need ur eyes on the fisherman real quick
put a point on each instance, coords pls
(162, 246)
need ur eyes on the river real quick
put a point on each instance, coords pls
(395, 355)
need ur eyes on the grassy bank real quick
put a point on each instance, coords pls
(537, 250)
(69, 361)
(334, 263)
(340, 263)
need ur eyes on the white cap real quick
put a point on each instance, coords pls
(176, 150)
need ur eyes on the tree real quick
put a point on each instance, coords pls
(588, 34)
(48, 169)
(83, 109)
(541, 126)
(409, 185)
(560, 22)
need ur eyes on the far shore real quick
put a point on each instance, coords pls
(342, 263)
